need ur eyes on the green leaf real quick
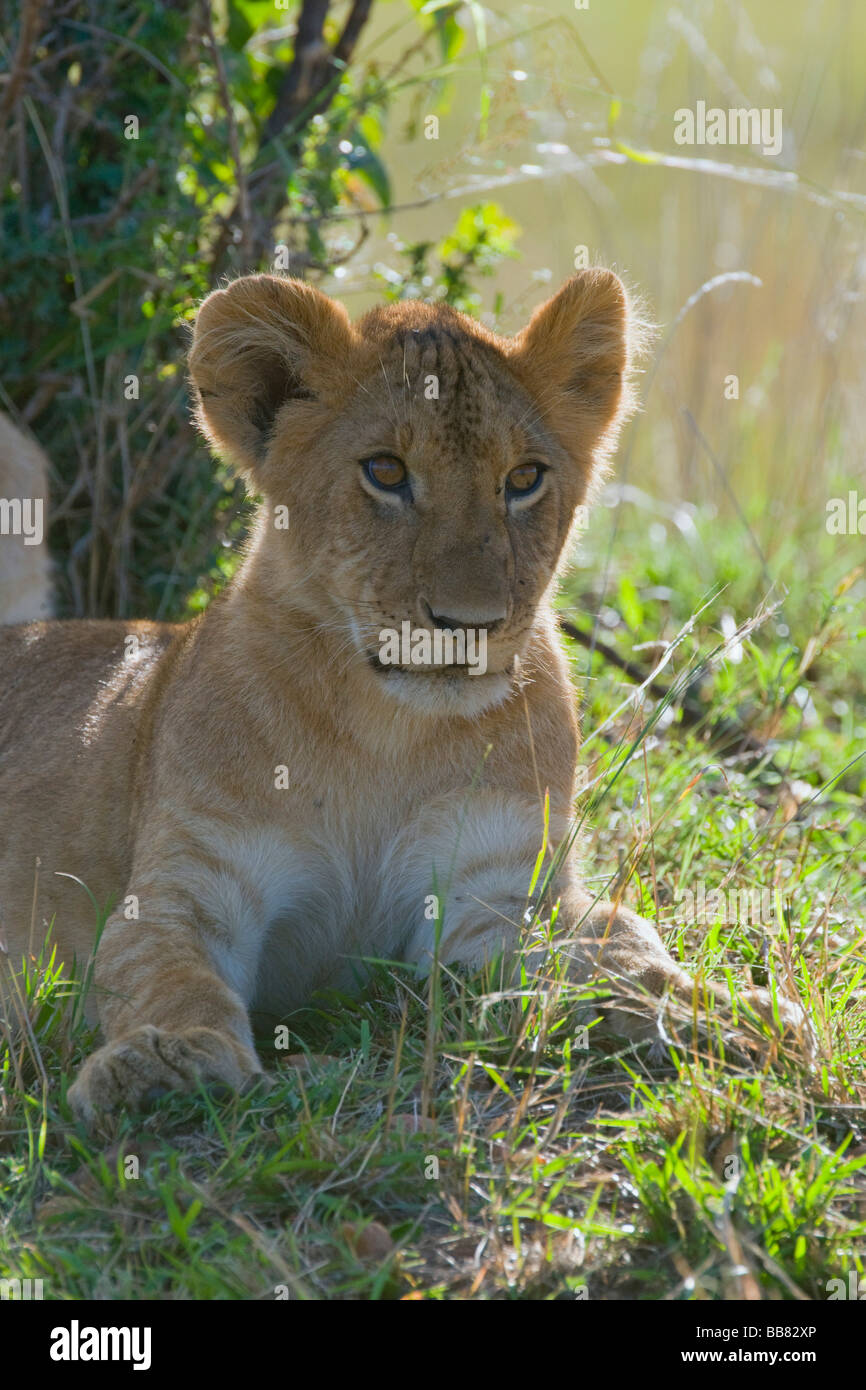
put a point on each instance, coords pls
(240, 29)
(630, 604)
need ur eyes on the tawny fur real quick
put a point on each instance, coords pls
(147, 759)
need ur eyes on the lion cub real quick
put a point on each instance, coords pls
(287, 783)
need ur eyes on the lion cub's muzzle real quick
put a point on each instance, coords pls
(431, 650)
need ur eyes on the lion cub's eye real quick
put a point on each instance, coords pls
(523, 479)
(385, 472)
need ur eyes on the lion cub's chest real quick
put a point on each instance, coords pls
(296, 912)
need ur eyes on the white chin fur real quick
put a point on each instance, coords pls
(462, 695)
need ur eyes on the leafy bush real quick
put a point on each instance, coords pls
(148, 156)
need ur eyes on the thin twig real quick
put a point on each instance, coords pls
(306, 91)
(243, 201)
(728, 733)
(31, 23)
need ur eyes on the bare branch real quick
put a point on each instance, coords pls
(243, 201)
(307, 89)
(31, 24)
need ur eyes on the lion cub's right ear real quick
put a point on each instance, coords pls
(258, 345)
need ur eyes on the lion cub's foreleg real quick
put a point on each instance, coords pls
(171, 1022)
(614, 941)
(485, 913)
(609, 943)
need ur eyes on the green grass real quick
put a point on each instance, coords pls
(462, 1141)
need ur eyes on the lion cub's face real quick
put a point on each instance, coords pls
(431, 470)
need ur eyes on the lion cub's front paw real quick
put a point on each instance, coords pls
(127, 1070)
(786, 1018)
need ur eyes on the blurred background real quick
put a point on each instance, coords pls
(468, 151)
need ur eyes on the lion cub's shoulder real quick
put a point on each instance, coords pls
(56, 673)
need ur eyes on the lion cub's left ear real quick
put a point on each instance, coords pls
(574, 355)
(260, 344)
